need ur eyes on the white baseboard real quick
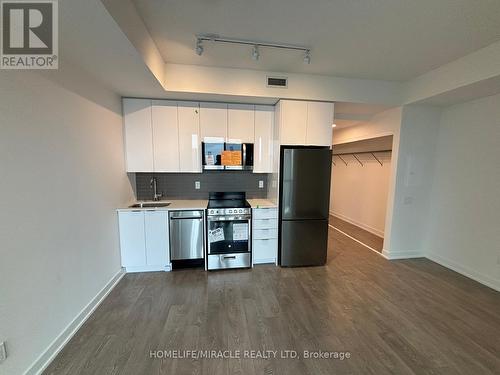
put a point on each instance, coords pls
(62, 339)
(359, 224)
(133, 269)
(393, 255)
(264, 261)
(466, 271)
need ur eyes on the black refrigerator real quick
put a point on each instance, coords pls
(304, 197)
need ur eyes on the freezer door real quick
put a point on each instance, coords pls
(305, 183)
(303, 243)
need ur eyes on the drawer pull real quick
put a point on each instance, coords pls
(229, 257)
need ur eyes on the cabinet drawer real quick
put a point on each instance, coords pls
(265, 223)
(219, 261)
(265, 213)
(265, 251)
(264, 234)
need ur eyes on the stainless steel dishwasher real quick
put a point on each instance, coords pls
(186, 235)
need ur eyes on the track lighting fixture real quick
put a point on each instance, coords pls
(307, 57)
(255, 53)
(255, 45)
(199, 47)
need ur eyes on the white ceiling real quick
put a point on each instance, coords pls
(382, 39)
(349, 114)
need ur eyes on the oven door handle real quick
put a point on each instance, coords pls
(228, 256)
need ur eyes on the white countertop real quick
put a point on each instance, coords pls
(192, 204)
(175, 205)
(261, 203)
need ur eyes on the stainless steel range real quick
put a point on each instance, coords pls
(229, 219)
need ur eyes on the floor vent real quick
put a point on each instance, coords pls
(281, 82)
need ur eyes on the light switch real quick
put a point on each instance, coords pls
(408, 200)
(261, 184)
(197, 185)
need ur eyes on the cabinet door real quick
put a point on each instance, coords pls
(132, 238)
(319, 124)
(240, 122)
(138, 135)
(156, 229)
(213, 120)
(263, 147)
(189, 137)
(165, 136)
(293, 122)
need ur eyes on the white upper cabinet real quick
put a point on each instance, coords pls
(319, 123)
(189, 137)
(213, 120)
(305, 123)
(165, 136)
(293, 122)
(241, 120)
(263, 146)
(138, 135)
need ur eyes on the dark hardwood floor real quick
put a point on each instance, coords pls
(368, 238)
(393, 317)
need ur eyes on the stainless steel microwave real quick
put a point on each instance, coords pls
(218, 154)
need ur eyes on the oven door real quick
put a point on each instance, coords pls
(228, 234)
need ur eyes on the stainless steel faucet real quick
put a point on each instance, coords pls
(154, 185)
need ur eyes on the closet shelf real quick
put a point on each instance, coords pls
(354, 154)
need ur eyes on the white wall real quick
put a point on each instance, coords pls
(252, 83)
(382, 124)
(62, 176)
(414, 173)
(463, 221)
(359, 193)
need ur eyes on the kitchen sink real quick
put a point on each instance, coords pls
(150, 205)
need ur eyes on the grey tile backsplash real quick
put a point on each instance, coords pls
(182, 185)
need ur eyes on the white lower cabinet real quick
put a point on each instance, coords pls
(144, 240)
(264, 235)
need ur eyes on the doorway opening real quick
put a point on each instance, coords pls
(360, 184)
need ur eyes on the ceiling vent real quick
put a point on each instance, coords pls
(281, 82)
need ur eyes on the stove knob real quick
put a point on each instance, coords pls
(241, 211)
(230, 211)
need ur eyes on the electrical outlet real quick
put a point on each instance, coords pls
(261, 184)
(197, 185)
(3, 352)
(408, 200)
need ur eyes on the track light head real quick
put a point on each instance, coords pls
(255, 53)
(199, 47)
(307, 57)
